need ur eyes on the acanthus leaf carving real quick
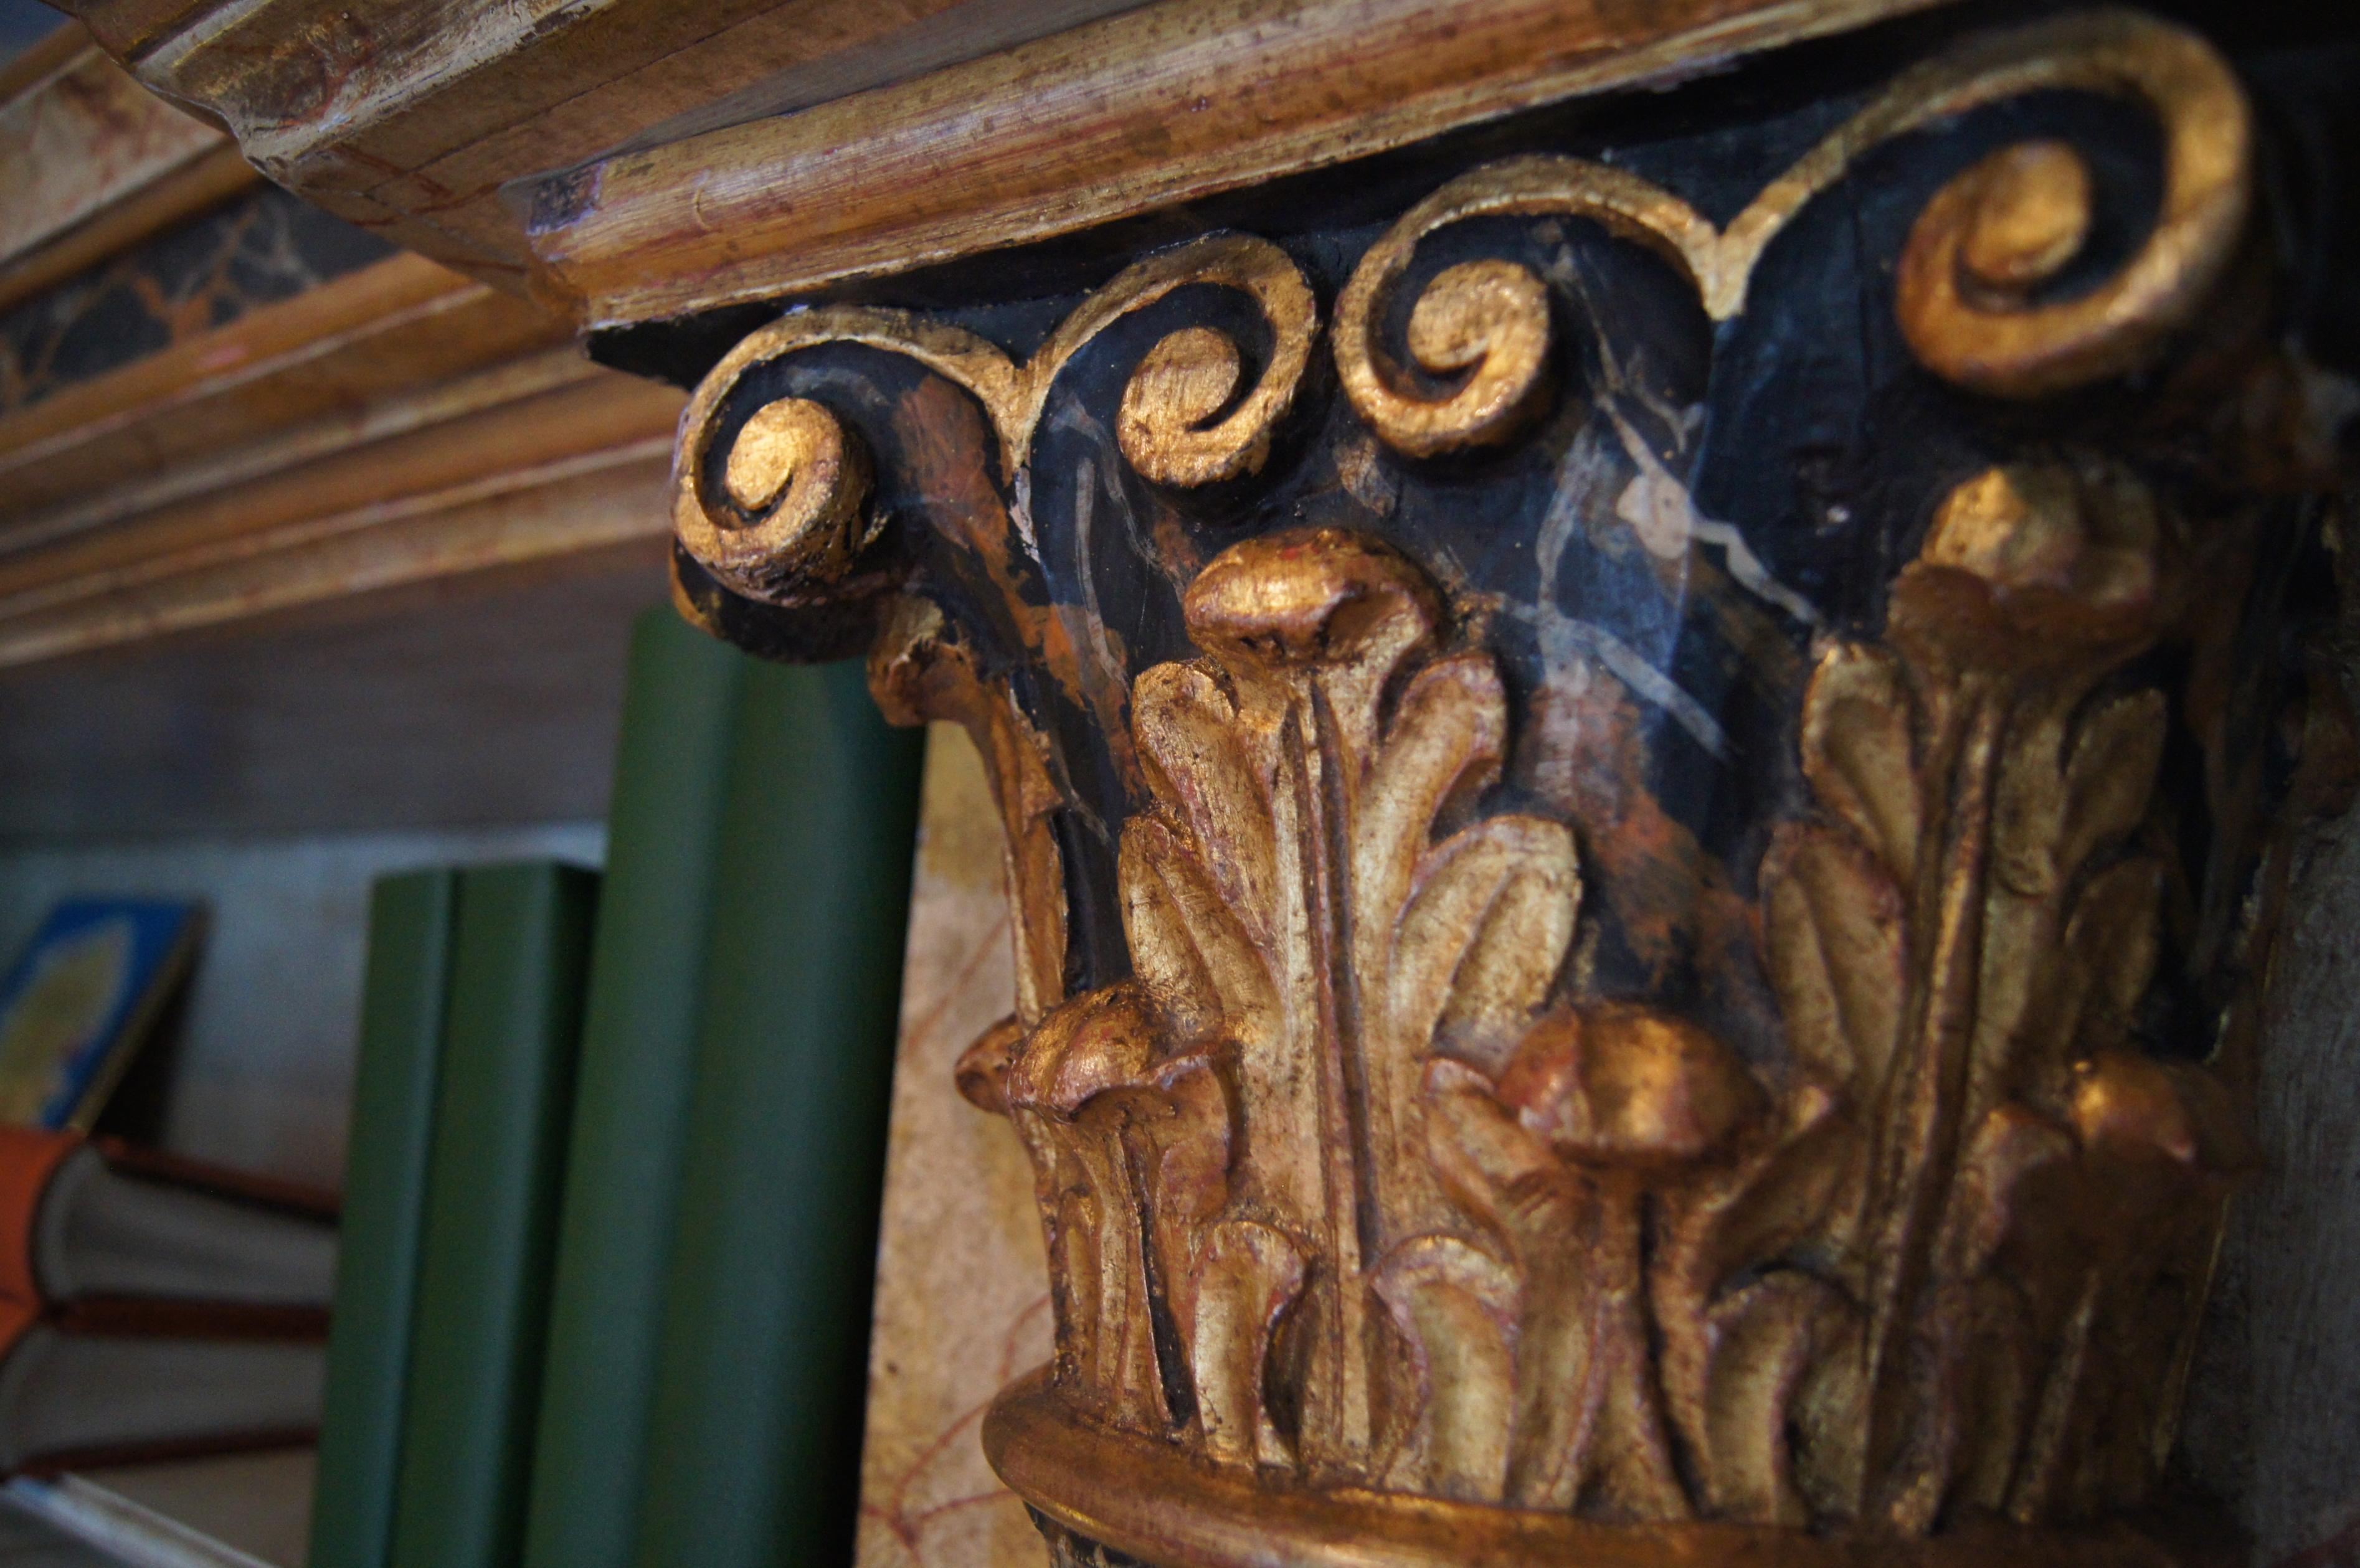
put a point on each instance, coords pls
(1958, 996)
(1292, 915)
(1469, 1241)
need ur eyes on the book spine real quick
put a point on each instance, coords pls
(402, 1009)
(638, 1047)
(754, 1451)
(29, 1159)
(520, 950)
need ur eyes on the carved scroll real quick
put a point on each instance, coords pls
(1979, 253)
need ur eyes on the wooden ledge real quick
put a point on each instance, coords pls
(484, 134)
(395, 324)
(397, 423)
(1170, 104)
(1159, 1504)
(406, 117)
(91, 163)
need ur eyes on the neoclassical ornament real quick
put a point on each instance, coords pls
(1554, 1025)
(1978, 252)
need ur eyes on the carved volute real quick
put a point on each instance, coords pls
(1639, 778)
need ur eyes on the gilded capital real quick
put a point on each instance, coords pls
(1640, 790)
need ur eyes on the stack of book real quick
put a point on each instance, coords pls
(162, 1322)
(150, 1306)
(616, 1152)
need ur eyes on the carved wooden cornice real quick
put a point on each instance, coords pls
(89, 162)
(1639, 811)
(631, 159)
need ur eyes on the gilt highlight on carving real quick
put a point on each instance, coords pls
(1385, 1209)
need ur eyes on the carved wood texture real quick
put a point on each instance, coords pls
(1569, 962)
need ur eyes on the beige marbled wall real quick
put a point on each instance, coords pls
(962, 1303)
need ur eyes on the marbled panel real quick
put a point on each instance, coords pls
(253, 250)
(960, 1304)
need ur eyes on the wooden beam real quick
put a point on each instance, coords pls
(678, 156)
(211, 177)
(1181, 101)
(396, 425)
(537, 514)
(390, 327)
(92, 163)
(408, 119)
(476, 429)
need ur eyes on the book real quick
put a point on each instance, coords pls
(682, 708)
(404, 996)
(754, 1440)
(124, 1236)
(151, 1305)
(520, 941)
(75, 1391)
(81, 998)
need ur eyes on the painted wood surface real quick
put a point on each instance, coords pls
(294, 438)
(79, 136)
(2275, 1422)
(1166, 105)
(411, 119)
(258, 248)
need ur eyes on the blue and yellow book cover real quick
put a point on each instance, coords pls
(86, 992)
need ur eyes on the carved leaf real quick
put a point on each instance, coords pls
(2008, 1154)
(1767, 1339)
(2111, 775)
(1102, 1220)
(1443, 744)
(1484, 934)
(1456, 1305)
(918, 671)
(1836, 947)
(2109, 949)
(1200, 763)
(1033, 864)
(2054, 808)
(2028, 824)
(2010, 1247)
(1180, 1139)
(1751, 1215)
(1130, 1149)
(1190, 948)
(1446, 741)
(1857, 749)
(1188, 1135)
(1485, 1157)
(982, 1071)
(1993, 1408)
(1247, 1276)
(1724, 1232)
